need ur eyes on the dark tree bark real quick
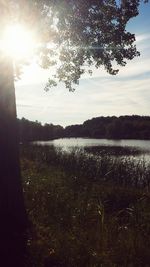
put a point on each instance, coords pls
(13, 219)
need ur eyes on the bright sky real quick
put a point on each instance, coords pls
(100, 95)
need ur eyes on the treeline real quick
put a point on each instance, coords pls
(123, 127)
(30, 131)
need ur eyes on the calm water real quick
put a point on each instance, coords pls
(142, 146)
(82, 142)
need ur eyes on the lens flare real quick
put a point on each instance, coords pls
(18, 42)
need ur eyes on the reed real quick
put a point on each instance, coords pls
(86, 210)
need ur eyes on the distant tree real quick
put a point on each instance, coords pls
(35, 131)
(123, 127)
(74, 131)
(82, 34)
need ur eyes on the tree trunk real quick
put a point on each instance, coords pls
(13, 219)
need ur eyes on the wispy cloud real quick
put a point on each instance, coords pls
(142, 37)
(100, 94)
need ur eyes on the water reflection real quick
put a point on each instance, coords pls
(96, 142)
(136, 148)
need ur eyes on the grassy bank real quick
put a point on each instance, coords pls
(86, 211)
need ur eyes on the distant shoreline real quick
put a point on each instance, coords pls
(111, 128)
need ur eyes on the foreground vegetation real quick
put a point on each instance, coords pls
(85, 210)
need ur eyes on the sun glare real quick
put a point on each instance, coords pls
(18, 42)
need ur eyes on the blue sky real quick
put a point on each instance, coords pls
(97, 95)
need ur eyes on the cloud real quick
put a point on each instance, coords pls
(100, 94)
(142, 37)
(94, 97)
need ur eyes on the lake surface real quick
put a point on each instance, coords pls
(136, 147)
(82, 142)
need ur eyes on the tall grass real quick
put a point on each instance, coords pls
(86, 210)
(122, 171)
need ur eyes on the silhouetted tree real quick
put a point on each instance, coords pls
(123, 127)
(34, 131)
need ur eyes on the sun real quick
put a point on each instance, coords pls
(18, 42)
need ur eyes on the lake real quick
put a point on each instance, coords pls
(138, 148)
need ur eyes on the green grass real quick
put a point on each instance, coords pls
(85, 210)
